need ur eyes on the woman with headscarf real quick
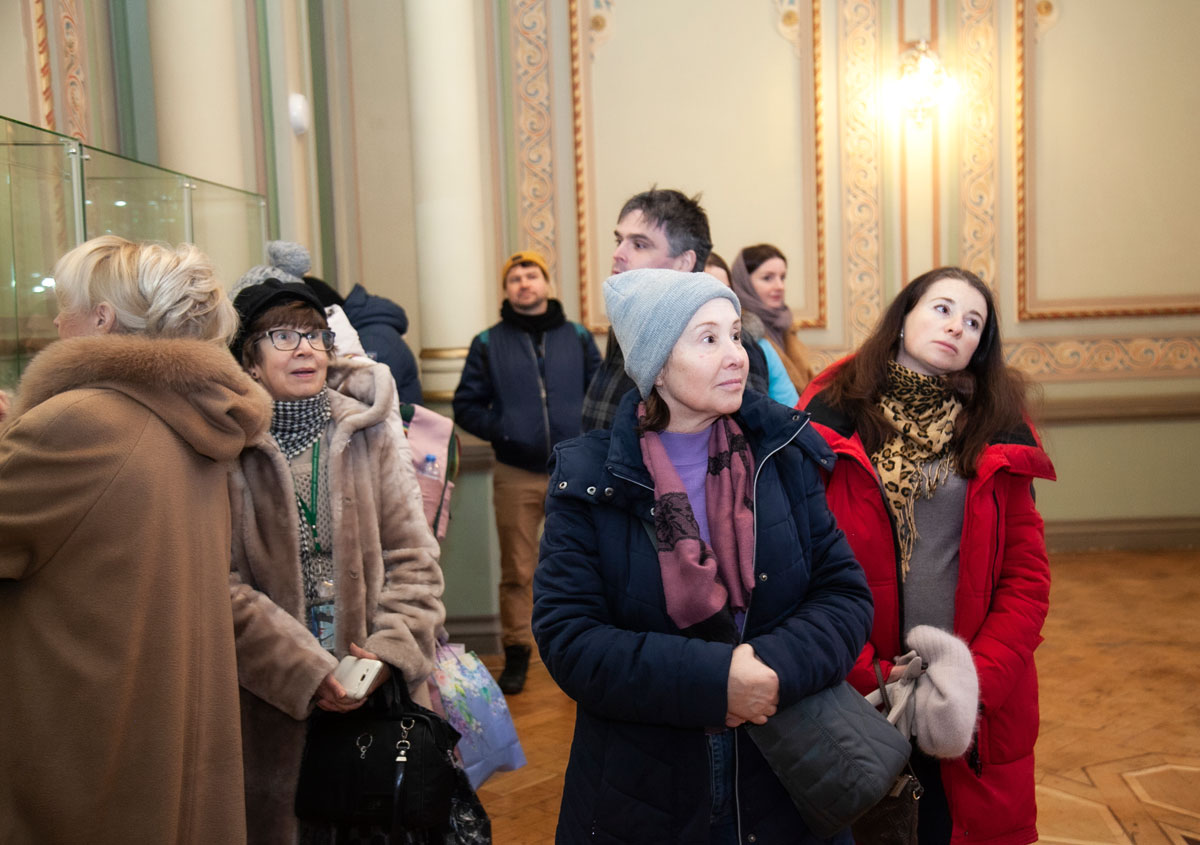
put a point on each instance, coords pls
(691, 580)
(121, 723)
(934, 488)
(331, 551)
(758, 277)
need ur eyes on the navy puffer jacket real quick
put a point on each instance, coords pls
(639, 769)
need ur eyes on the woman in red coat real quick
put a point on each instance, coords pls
(933, 488)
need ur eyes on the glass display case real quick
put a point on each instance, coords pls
(57, 192)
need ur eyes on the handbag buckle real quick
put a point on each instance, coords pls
(402, 750)
(363, 743)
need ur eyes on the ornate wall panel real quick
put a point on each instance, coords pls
(647, 110)
(861, 144)
(532, 124)
(1121, 116)
(1083, 358)
(980, 143)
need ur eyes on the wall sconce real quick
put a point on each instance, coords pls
(924, 84)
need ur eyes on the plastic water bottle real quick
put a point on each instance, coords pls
(321, 620)
(431, 468)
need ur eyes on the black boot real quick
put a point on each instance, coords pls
(516, 664)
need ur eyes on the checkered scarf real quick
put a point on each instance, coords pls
(298, 423)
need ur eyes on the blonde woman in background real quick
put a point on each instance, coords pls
(115, 623)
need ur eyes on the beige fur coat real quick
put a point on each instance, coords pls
(386, 572)
(119, 720)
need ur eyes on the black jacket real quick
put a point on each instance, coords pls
(522, 388)
(645, 692)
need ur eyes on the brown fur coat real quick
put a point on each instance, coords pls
(120, 719)
(386, 572)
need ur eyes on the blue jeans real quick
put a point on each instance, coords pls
(723, 814)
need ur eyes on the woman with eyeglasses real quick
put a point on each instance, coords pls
(331, 551)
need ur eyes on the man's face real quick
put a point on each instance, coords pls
(640, 245)
(527, 290)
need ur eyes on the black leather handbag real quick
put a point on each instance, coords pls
(893, 821)
(389, 763)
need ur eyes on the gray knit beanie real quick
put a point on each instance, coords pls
(287, 261)
(649, 309)
(947, 694)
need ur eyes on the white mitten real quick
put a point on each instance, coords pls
(947, 695)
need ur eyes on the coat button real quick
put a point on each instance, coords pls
(795, 417)
(762, 576)
(751, 838)
(562, 485)
(591, 491)
(608, 491)
(652, 511)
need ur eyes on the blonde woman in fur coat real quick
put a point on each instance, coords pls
(120, 720)
(331, 551)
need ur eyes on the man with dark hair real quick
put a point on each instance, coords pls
(522, 389)
(660, 228)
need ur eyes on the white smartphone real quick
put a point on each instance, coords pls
(356, 674)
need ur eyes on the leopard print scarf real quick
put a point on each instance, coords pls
(917, 458)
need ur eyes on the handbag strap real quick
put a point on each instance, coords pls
(887, 703)
(401, 698)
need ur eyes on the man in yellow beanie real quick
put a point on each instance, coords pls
(522, 390)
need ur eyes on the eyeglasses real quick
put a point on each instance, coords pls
(285, 340)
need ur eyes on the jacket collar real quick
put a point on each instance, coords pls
(1019, 450)
(768, 426)
(194, 386)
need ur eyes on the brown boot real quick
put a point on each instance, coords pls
(516, 665)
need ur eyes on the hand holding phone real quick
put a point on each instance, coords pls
(356, 674)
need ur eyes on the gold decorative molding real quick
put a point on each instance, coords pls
(444, 354)
(1077, 359)
(580, 143)
(45, 83)
(978, 166)
(861, 146)
(73, 69)
(1029, 306)
(532, 123)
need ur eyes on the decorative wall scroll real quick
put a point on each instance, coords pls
(861, 144)
(532, 123)
(73, 64)
(599, 24)
(980, 144)
(1089, 358)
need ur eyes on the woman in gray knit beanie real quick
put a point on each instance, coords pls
(658, 533)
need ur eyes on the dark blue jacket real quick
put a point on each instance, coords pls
(523, 392)
(639, 769)
(381, 324)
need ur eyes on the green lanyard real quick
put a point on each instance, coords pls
(310, 513)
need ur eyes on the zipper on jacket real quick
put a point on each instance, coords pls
(541, 388)
(994, 574)
(737, 796)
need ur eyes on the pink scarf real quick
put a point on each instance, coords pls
(702, 584)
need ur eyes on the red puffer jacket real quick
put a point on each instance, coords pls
(999, 607)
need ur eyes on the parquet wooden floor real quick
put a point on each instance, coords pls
(1119, 752)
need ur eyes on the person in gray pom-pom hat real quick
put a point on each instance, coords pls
(658, 534)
